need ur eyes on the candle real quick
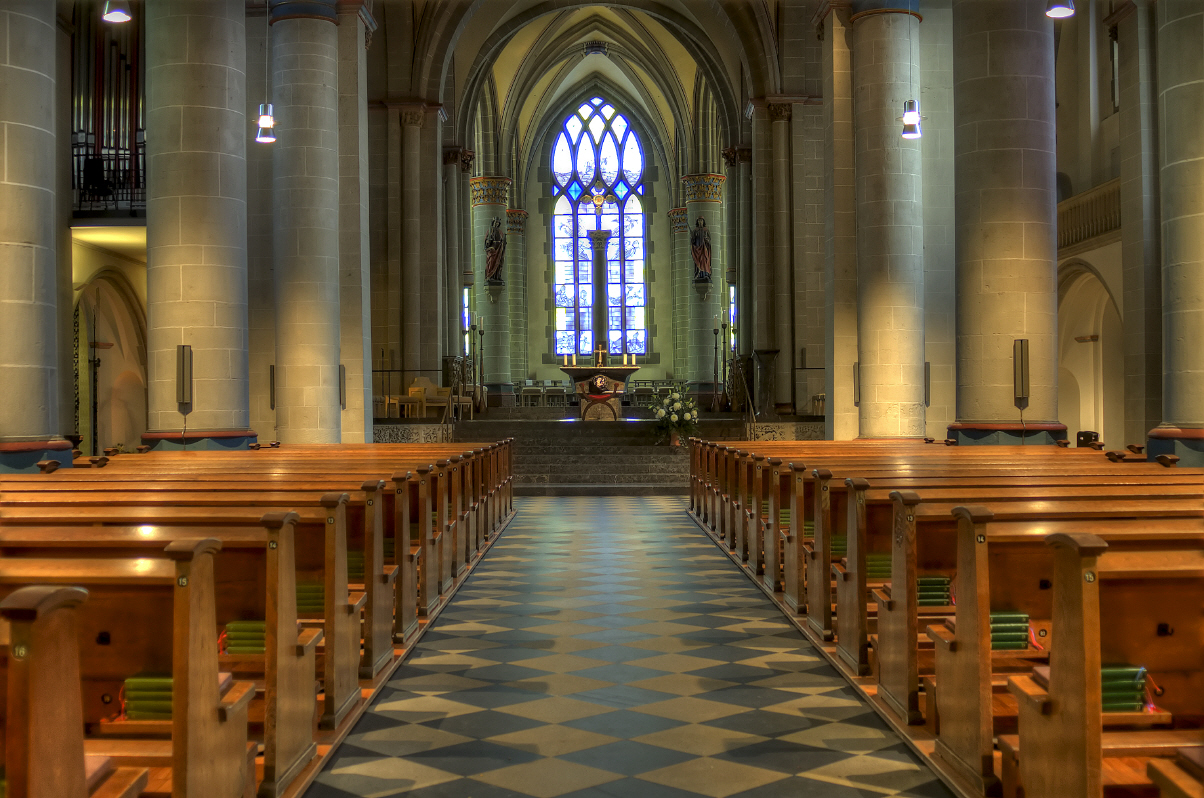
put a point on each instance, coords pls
(566, 360)
(574, 358)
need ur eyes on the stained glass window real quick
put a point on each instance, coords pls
(611, 159)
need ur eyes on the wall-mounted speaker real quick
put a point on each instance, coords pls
(342, 386)
(927, 384)
(271, 387)
(1020, 372)
(856, 382)
(184, 374)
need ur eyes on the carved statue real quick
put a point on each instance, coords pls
(495, 252)
(700, 248)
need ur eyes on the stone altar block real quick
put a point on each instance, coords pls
(599, 390)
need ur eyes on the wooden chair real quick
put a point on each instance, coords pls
(530, 394)
(556, 394)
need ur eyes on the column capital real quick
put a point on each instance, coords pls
(779, 112)
(677, 220)
(451, 155)
(413, 115)
(516, 221)
(489, 190)
(734, 155)
(703, 188)
(325, 10)
(598, 238)
(466, 159)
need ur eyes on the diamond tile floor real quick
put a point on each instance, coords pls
(607, 649)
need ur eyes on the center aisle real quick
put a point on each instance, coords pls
(606, 648)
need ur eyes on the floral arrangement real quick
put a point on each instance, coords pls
(677, 413)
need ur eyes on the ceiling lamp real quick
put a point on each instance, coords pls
(911, 112)
(267, 121)
(1059, 9)
(116, 11)
(911, 131)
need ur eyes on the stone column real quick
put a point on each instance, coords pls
(306, 243)
(683, 272)
(840, 226)
(783, 263)
(261, 298)
(598, 240)
(516, 267)
(355, 274)
(490, 196)
(703, 195)
(1004, 175)
(743, 265)
(890, 232)
(1181, 118)
(451, 210)
(29, 423)
(1140, 234)
(196, 222)
(412, 119)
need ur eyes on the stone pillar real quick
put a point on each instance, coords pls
(516, 267)
(490, 196)
(355, 273)
(1004, 174)
(412, 119)
(703, 195)
(451, 211)
(1181, 173)
(842, 421)
(1140, 234)
(306, 243)
(29, 422)
(261, 298)
(598, 240)
(743, 265)
(783, 262)
(196, 222)
(890, 232)
(682, 271)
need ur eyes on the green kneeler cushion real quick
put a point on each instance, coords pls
(246, 637)
(311, 598)
(147, 697)
(1123, 688)
(1009, 631)
(783, 514)
(933, 591)
(877, 565)
(355, 565)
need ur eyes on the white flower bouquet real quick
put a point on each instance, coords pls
(677, 413)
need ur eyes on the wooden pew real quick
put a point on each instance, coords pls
(41, 719)
(324, 554)
(1182, 777)
(173, 603)
(1006, 566)
(1110, 607)
(925, 539)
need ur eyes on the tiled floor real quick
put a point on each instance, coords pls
(607, 649)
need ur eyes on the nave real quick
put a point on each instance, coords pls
(606, 647)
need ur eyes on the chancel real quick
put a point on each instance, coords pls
(668, 398)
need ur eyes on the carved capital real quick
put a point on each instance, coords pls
(489, 190)
(677, 220)
(779, 112)
(451, 156)
(703, 188)
(516, 221)
(729, 157)
(413, 117)
(466, 159)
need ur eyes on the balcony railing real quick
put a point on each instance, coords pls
(1089, 219)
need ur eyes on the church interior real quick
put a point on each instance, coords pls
(654, 398)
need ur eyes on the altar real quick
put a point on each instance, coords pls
(600, 389)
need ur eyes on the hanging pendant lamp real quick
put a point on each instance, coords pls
(116, 11)
(1059, 9)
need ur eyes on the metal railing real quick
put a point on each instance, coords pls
(1088, 215)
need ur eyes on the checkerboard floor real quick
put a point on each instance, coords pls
(606, 649)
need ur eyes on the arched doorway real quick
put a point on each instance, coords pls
(1090, 356)
(110, 372)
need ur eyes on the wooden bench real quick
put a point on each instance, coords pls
(1110, 607)
(41, 719)
(1006, 566)
(156, 616)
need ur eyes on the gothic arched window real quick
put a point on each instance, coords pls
(598, 154)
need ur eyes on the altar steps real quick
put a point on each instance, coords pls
(574, 458)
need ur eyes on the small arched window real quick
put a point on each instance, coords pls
(596, 151)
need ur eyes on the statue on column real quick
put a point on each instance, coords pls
(495, 252)
(700, 248)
